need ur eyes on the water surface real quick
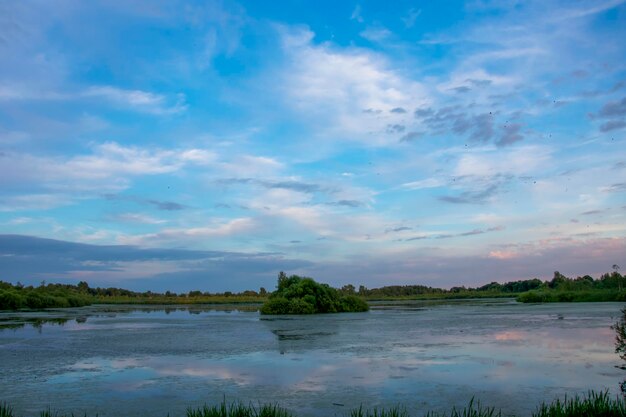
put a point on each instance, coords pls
(130, 361)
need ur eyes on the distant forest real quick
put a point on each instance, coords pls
(608, 287)
(607, 281)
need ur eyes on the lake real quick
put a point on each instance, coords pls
(151, 361)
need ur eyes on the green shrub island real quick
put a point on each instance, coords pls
(301, 295)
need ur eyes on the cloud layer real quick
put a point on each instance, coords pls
(175, 144)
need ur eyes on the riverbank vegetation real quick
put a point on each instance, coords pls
(301, 295)
(608, 287)
(594, 404)
(18, 296)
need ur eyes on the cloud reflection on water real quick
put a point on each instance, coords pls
(441, 354)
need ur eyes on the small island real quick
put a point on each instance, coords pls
(302, 295)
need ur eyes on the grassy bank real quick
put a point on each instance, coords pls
(18, 297)
(164, 300)
(594, 404)
(443, 296)
(564, 296)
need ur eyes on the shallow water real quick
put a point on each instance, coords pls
(129, 361)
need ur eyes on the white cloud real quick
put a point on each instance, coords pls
(529, 159)
(109, 167)
(137, 100)
(345, 91)
(20, 220)
(194, 235)
(590, 9)
(198, 156)
(28, 202)
(376, 34)
(356, 14)
(411, 17)
(137, 218)
(425, 183)
(250, 166)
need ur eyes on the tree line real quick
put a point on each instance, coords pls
(611, 286)
(559, 282)
(18, 296)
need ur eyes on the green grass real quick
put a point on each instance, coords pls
(6, 410)
(593, 404)
(472, 410)
(443, 296)
(561, 296)
(164, 300)
(383, 412)
(236, 409)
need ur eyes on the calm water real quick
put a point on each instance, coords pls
(124, 361)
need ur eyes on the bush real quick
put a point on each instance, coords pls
(353, 303)
(278, 305)
(559, 296)
(301, 295)
(11, 300)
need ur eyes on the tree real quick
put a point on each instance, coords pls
(558, 280)
(616, 273)
(348, 289)
(282, 277)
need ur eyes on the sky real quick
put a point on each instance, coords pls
(178, 145)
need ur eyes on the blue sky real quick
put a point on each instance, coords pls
(208, 145)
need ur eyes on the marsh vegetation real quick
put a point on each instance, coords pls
(594, 404)
(300, 295)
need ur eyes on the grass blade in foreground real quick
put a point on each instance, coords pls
(470, 411)
(383, 412)
(238, 410)
(6, 410)
(594, 404)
